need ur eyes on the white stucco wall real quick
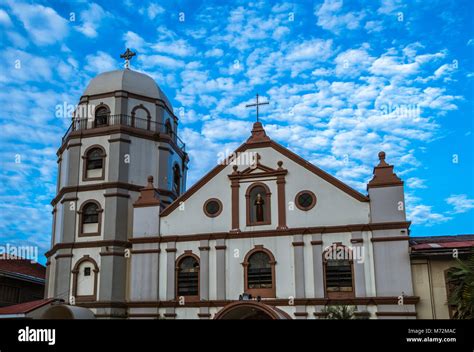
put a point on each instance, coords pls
(334, 206)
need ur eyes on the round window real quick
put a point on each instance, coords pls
(305, 200)
(212, 207)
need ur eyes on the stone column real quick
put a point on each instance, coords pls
(298, 250)
(204, 277)
(220, 269)
(318, 275)
(281, 201)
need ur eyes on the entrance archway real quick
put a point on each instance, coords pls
(65, 311)
(247, 310)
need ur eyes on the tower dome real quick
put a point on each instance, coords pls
(126, 80)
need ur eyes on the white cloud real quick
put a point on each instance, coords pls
(100, 62)
(216, 52)
(5, 19)
(43, 24)
(388, 7)
(330, 17)
(150, 61)
(315, 49)
(423, 215)
(374, 26)
(92, 19)
(134, 41)
(460, 203)
(153, 10)
(17, 39)
(352, 62)
(178, 47)
(25, 67)
(415, 182)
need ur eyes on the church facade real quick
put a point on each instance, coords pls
(264, 234)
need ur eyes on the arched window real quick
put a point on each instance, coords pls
(141, 117)
(176, 179)
(94, 160)
(187, 276)
(258, 199)
(85, 274)
(338, 271)
(101, 116)
(90, 219)
(259, 272)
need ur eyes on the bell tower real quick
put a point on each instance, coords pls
(122, 131)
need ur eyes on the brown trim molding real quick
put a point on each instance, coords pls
(128, 130)
(142, 315)
(59, 256)
(262, 292)
(204, 248)
(300, 314)
(70, 145)
(313, 203)
(387, 300)
(221, 247)
(187, 253)
(95, 187)
(123, 195)
(273, 233)
(396, 314)
(118, 254)
(69, 199)
(357, 240)
(171, 250)
(316, 243)
(145, 251)
(235, 185)
(298, 244)
(99, 219)
(390, 238)
(169, 315)
(281, 200)
(88, 244)
(75, 272)
(267, 206)
(338, 294)
(204, 315)
(321, 314)
(124, 140)
(219, 211)
(85, 162)
(266, 144)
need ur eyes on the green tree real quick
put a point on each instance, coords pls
(339, 312)
(461, 280)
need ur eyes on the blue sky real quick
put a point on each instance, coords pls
(344, 80)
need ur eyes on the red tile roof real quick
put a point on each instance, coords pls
(441, 243)
(22, 266)
(26, 307)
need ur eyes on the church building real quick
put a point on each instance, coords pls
(265, 234)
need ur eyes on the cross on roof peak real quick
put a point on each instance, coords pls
(257, 104)
(127, 55)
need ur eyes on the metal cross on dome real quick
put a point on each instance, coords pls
(127, 55)
(257, 104)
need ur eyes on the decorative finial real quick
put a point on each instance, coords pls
(150, 181)
(280, 164)
(235, 167)
(382, 156)
(257, 104)
(127, 55)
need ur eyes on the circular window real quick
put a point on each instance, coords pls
(212, 207)
(305, 200)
